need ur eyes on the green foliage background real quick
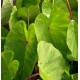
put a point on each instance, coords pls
(39, 33)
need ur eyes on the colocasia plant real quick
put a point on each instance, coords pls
(39, 40)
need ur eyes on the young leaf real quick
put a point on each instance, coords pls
(13, 18)
(51, 63)
(23, 43)
(6, 10)
(9, 66)
(72, 39)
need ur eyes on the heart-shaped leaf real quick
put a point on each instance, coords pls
(51, 63)
(24, 44)
(53, 30)
(9, 66)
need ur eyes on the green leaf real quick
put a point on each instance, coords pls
(4, 33)
(72, 39)
(31, 12)
(26, 3)
(48, 5)
(13, 18)
(75, 16)
(74, 76)
(23, 14)
(24, 44)
(51, 63)
(73, 4)
(53, 30)
(6, 10)
(9, 66)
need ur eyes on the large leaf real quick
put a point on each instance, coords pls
(26, 3)
(72, 39)
(51, 63)
(9, 67)
(54, 29)
(6, 10)
(23, 43)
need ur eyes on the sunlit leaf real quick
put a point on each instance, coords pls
(72, 39)
(6, 10)
(51, 63)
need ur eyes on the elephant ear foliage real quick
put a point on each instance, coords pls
(24, 44)
(51, 63)
(72, 39)
(6, 10)
(9, 66)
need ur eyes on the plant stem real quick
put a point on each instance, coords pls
(69, 8)
(34, 75)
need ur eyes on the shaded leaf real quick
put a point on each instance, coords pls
(8, 72)
(31, 12)
(23, 43)
(26, 3)
(4, 33)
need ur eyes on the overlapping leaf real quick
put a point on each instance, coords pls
(31, 12)
(13, 18)
(6, 10)
(23, 43)
(26, 3)
(51, 63)
(54, 29)
(23, 13)
(9, 66)
(48, 5)
(4, 33)
(72, 39)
